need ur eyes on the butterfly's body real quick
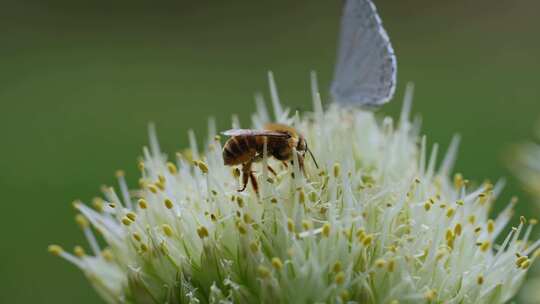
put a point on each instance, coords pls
(246, 146)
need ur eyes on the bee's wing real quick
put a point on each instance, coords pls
(365, 72)
(250, 132)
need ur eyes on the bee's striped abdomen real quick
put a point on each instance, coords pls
(239, 149)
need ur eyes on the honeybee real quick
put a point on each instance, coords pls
(246, 146)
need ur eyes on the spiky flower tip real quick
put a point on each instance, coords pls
(379, 222)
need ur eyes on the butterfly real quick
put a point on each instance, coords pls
(366, 67)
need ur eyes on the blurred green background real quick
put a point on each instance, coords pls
(80, 80)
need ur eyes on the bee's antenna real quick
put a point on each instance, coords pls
(312, 157)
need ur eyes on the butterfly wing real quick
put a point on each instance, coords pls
(365, 72)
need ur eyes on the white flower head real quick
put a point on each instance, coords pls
(378, 222)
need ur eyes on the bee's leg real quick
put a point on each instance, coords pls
(246, 171)
(271, 170)
(301, 164)
(254, 183)
(285, 164)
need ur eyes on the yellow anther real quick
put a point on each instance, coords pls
(132, 216)
(485, 246)
(391, 265)
(142, 183)
(247, 218)
(458, 180)
(306, 224)
(430, 295)
(301, 196)
(450, 237)
(119, 173)
(202, 166)
(112, 205)
(81, 221)
(276, 263)
(126, 221)
(326, 230)
(490, 226)
(217, 138)
(236, 172)
(533, 221)
(273, 200)
(143, 204)
(522, 220)
(427, 206)
(460, 202)
(449, 234)
(254, 246)
(107, 255)
(483, 197)
(144, 247)
(360, 234)
(336, 267)
(367, 240)
(55, 250)
(536, 253)
(160, 184)
(313, 196)
(140, 165)
(240, 201)
(477, 229)
(263, 272)
(79, 251)
(202, 232)
(241, 228)
(380, 263)
(153, 188)
(340, 278)
(168, 203)
(98, 204)
(472, 219)
(172, 168)
(161, 179)
(520, 260)
(458, 229)
(442, 206)
(167, 230)
(137, 236)
(290, 225)
(526, 264)
(450, 212)
(480, 280)
(337, 170)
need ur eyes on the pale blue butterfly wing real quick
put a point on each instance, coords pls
(365, 72)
